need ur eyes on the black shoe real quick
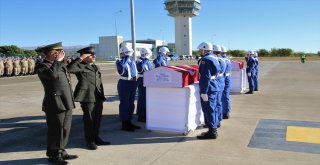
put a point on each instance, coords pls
(256, 90)
(226, 116)
(219, 125)
(211, 134)
(92, 146)
(127, 127)
(142, 119)
(134, 126)
(100, 142)
(58, 160)
(69, 157)
(249, 92)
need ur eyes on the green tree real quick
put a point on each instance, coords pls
(10, 50)
(30, 53)
(263, 53)
(237, 53)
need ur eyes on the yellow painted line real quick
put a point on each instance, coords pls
(303, 134)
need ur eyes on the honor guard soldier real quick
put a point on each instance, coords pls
(256, 77)
(209, 70)
(1, 67)
(57, 103)
(227, 79)
(127, 86)
(143, 65)
(161, 60)
(90, 93)
(216, 52)
(250, 70)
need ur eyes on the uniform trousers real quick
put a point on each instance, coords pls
(210, 110)
(59, 124)
(92, 113)
(127, 93)
(141, 107)
(226, 96)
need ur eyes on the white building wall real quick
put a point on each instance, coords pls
(109, 47)
(183, 34)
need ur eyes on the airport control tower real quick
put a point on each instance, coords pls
(182, 11)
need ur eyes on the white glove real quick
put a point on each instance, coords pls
(83, 56)
(204, 97)
(249, 74)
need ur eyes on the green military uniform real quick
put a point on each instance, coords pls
(90, 93)
(57, 103)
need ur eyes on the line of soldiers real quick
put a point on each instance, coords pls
(252, 71)
(17, 66)
(214, 83)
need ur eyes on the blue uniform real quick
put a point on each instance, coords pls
(161, 60)
(209, 69)
(143, 65)
(256, 77)
(251, 70)
(221, 81)
(226, 92)
(126, 87)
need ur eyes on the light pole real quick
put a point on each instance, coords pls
(133, 32)
(115, 24)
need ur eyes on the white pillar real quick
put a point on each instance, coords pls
(183, 30)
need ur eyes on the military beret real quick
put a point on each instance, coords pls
(55, 46)
(87, 50)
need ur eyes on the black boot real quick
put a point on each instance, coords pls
(126, 126)
(142, 119)
(134, 126)
(58, 160)
(211, 134)
(249, 92)
(226, 116)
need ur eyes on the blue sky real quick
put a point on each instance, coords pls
(237, 24)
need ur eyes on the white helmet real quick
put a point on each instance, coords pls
(255, 54)
(224, 49)
(205, 46)
(216, 48)
(164, 50)
(127, 50)
(250, 52)
(145, 52)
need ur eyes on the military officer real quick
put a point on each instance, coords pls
(90, 93)
(221, 79)
(127, 86)
(226, 91)
(57, 103)
(209, 69)
(161, 60)
(143, 65)
(250, 70)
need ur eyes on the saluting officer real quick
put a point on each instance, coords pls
(250, 70)
(226, 91)
(57, 103)
(216, 52)
(143, 65)
(161, 60)
(209, 69)
(90, 93)
(127, 86)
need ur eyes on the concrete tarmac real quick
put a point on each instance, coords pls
(289, 91)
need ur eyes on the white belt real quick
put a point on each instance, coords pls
(213, 77)
(126, 78)
(220, 75)
(140, 75)
(228, 74)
